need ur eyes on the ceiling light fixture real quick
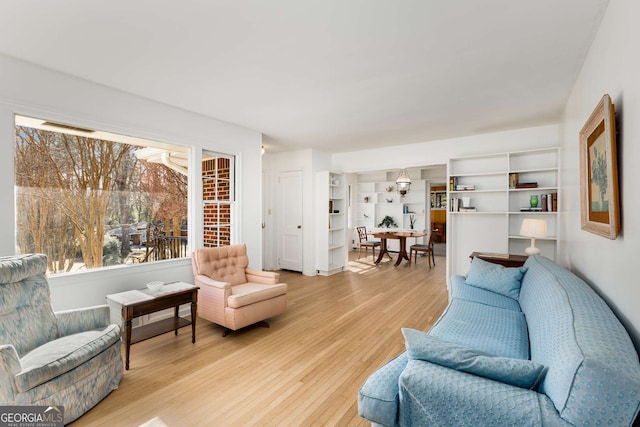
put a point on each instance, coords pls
(403, 182)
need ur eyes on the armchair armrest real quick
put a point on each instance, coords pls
(82, 319)
(9, 367)
(262, 277)
(201, 279)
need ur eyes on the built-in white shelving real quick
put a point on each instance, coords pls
(494, 218)
(331, 253)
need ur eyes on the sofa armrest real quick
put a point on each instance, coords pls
(262, 277)
(82, 319)
(9, 367)
(202, 280)
(437, 395)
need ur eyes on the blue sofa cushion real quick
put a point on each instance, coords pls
(461, 290)
(62, 355)
(496, 278)
(490, 329)
(517, 372)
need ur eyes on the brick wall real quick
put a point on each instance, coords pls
(216, 189)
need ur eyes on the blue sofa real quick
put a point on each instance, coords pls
(67, 358)
(520, 346)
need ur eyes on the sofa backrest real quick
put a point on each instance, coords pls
(26, 316)
(224, 264)
(593, 368)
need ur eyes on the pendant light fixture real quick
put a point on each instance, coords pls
(403, 182)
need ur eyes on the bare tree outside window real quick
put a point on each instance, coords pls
(88, 202)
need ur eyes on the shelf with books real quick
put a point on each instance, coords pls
(503, 184)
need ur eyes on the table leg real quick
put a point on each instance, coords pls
(402, 253)
(383, 250)
(176, 312)
(127, 337)
(194, 311)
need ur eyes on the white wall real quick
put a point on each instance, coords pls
(611, 67)
(309, 162)
(439, 152)
(35, 91)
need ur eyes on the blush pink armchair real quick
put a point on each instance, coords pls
(232, 294)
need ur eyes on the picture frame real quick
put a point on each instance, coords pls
(599, 203)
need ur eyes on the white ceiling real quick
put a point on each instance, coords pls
(337, 75)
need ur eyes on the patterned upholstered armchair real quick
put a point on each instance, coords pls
(232, 294)
(69, 358)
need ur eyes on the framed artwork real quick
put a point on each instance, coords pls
(600, 209)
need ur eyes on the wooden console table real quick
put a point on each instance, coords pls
(145, 301)
(508, 260)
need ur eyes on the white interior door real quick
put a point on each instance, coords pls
(290, 220)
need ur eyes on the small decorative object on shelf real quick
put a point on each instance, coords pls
(412, 221)
(513, 180)
(533, 201)
(388, 222)
(366, 199)
(389, 200)
(465, 187)
(389, 188)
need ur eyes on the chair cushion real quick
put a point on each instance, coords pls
(518, 372)
(249, 293)
(495, 277)
(371, 243)
(419, 247)
(62, 355)
(26, 315)
(224, 264)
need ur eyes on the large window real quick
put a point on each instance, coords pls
(88, 199)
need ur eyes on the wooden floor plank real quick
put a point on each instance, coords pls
(305, 370)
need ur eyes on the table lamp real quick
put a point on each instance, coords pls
(533, 228)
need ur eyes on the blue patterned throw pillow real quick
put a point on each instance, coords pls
(496, 278)
(518, 372)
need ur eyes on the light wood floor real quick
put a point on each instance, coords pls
(304, 370)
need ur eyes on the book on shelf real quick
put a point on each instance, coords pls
(467, 209)
(453, 181)
(549, 202)
(530, 209)
(465, 187)
(455, 204)
(493, 255)
(527, 185)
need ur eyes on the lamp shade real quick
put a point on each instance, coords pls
(534, 228)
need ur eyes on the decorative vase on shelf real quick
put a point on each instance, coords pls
(533, 201)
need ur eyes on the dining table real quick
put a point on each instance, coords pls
(401, 236)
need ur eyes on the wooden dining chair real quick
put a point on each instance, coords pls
(365, 243)
(428, 249)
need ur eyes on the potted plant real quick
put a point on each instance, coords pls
(388, 222)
